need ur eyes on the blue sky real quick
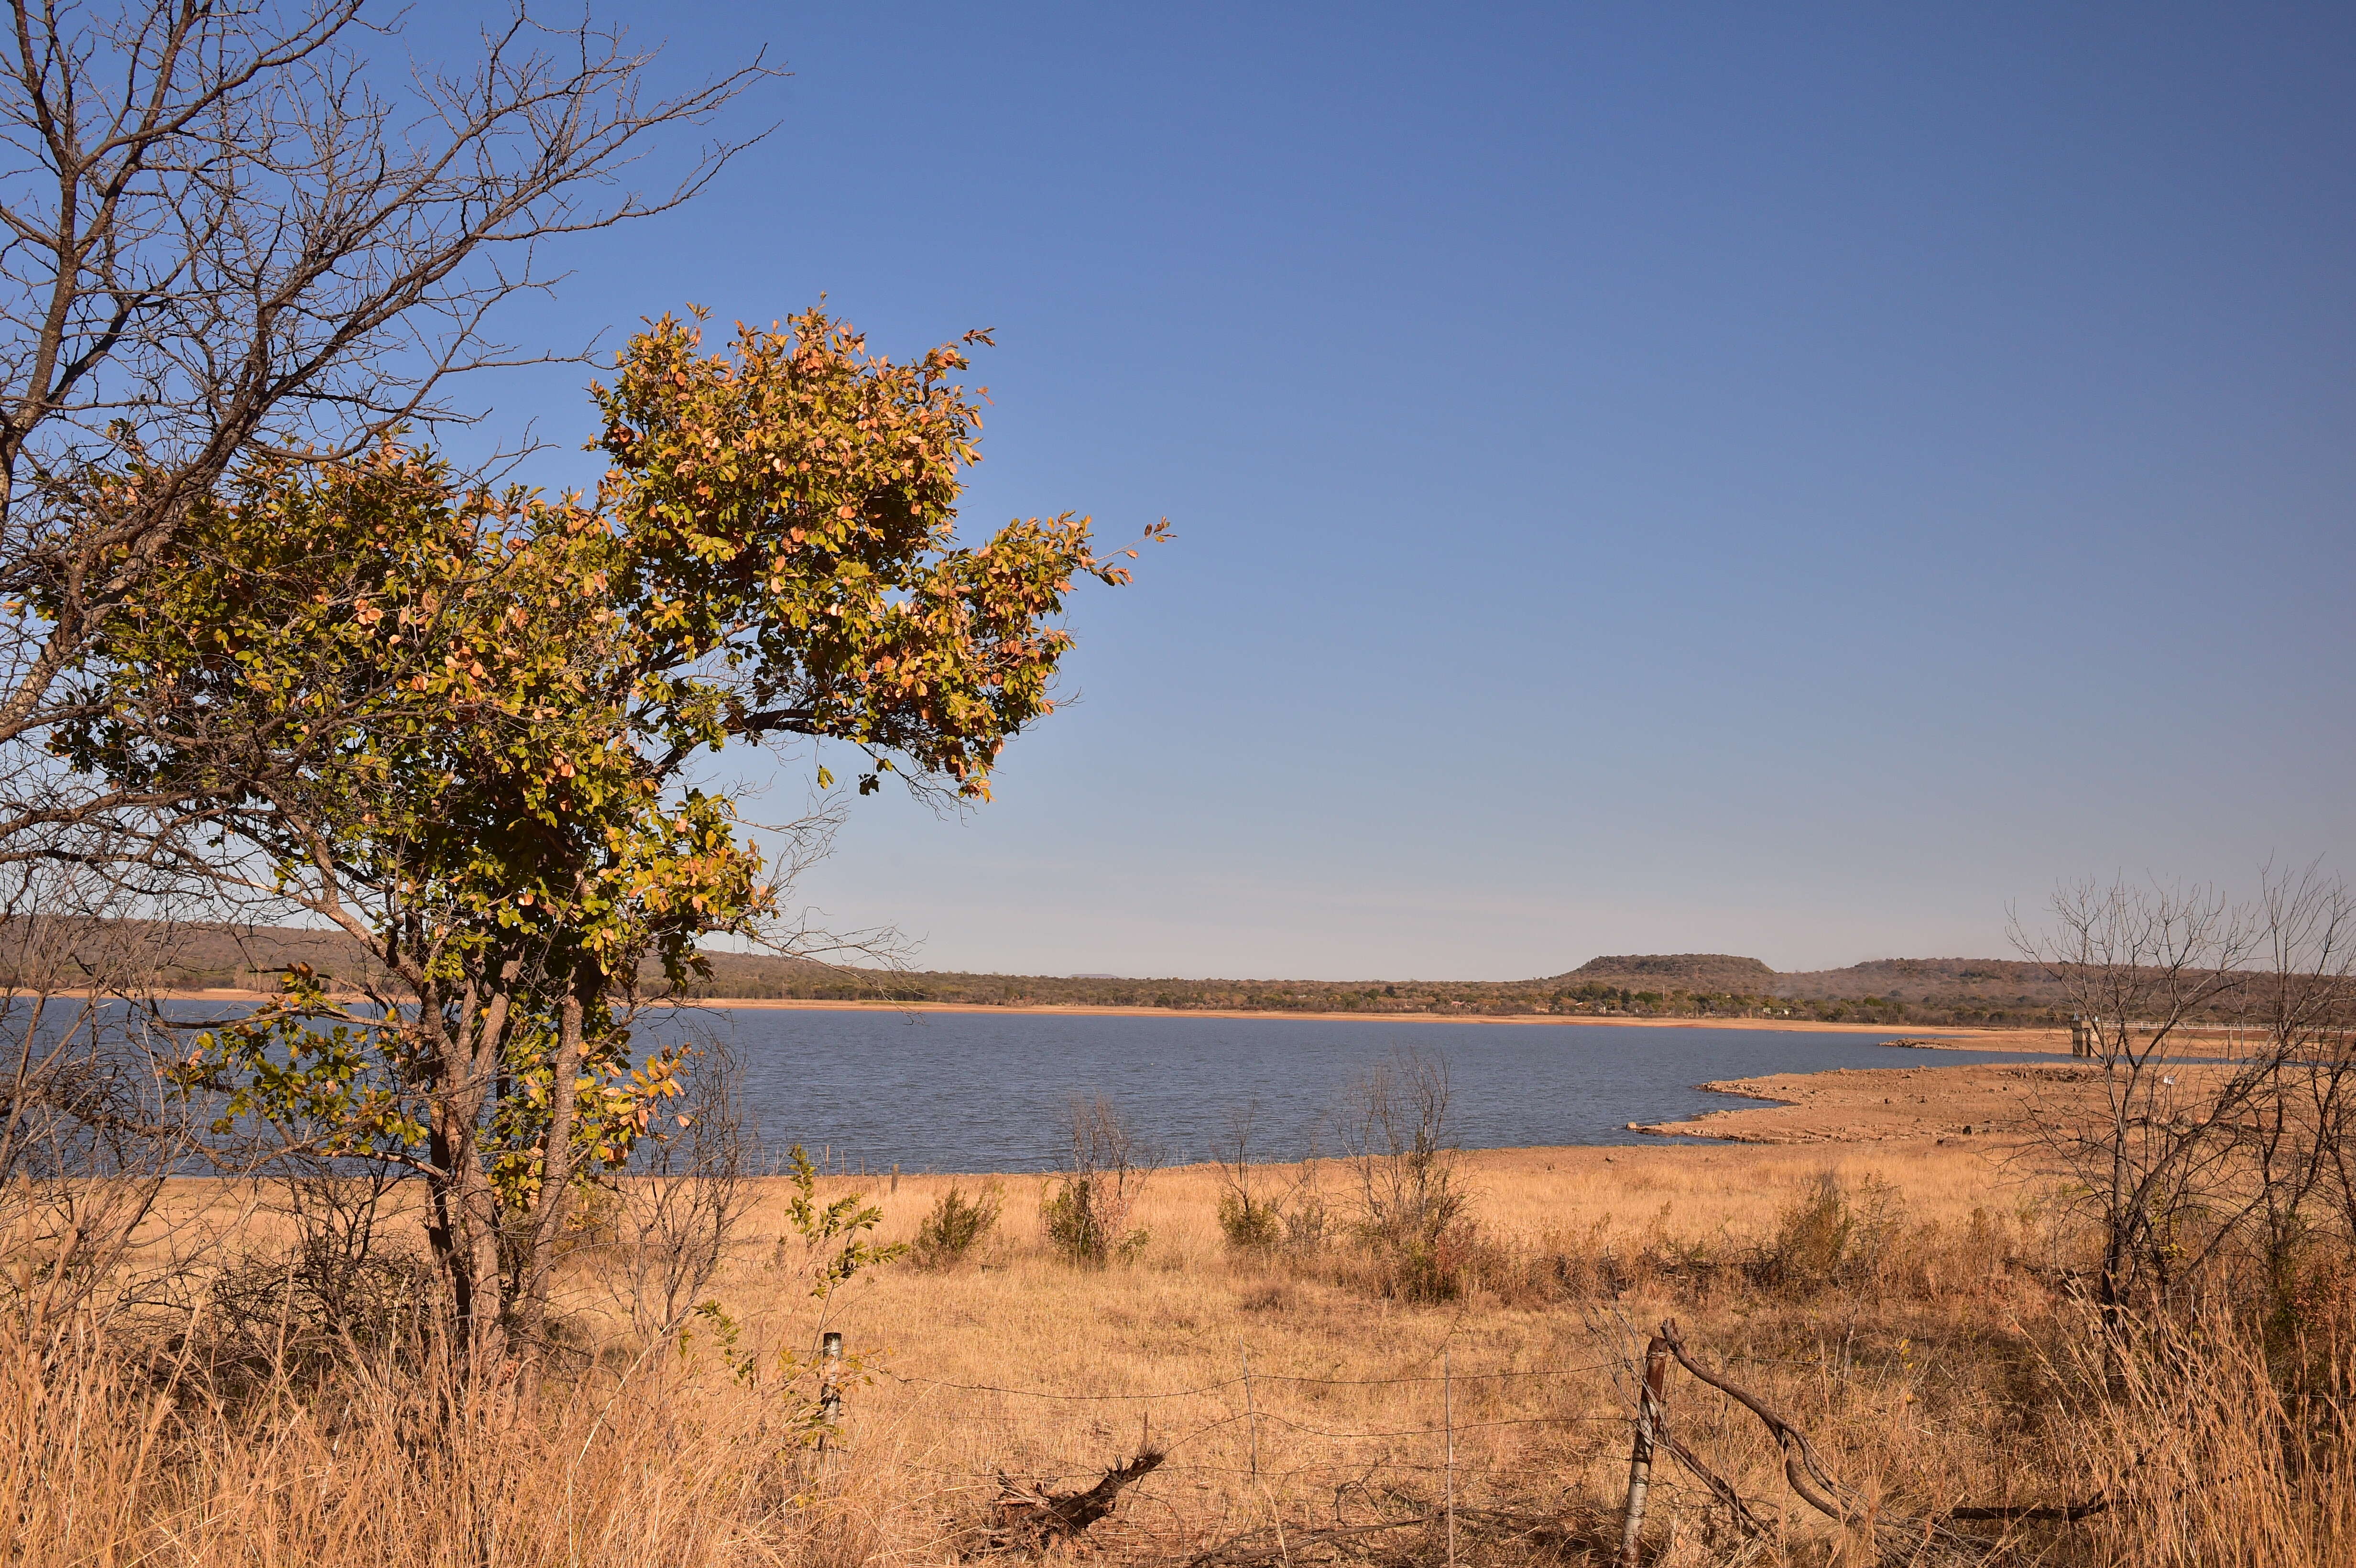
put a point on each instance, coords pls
(1792, 481)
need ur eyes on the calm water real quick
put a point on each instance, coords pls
(984, 1091)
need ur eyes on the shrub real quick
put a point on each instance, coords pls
(1414, 1216)
(1250, 1224)
(1262, 1208)
(956, 1225)
(1304, 1222)
(1835, 1232)
(1085, 1217)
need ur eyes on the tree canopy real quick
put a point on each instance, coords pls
(458, 724)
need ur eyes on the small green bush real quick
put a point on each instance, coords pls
(956, 1225)
(1250, 1224)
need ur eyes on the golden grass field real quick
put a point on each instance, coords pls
(1936, 1365)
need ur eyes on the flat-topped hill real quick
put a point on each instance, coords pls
(1705, 972)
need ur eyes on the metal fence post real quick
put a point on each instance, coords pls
(830, 1389)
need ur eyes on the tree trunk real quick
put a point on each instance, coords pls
(555, 1200)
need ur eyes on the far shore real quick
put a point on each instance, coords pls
(1946, 1036)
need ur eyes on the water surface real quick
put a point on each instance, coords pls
(985, 1090)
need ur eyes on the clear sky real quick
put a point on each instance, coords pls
(1781, 480)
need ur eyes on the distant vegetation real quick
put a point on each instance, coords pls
(1894, 991)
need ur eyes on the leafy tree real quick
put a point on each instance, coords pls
(458, 725)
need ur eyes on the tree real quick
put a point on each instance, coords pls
(458, 725)
(2181, 1163)
(230, 235)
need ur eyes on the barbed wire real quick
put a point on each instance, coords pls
(1238, 1380)
(1431, 1377)
(1433, 1431)
(1049, 1393)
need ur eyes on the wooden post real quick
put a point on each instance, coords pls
(829, 1387)
(1448, 1422)
(896, 1178)
(1651, 1413)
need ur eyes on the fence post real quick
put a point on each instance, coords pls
(1251, 1417)
(1448, 1422)
(1650, 1411)
(830, 1388)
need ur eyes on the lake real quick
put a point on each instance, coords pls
(982, 1091)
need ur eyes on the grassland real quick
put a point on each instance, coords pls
(1907, 1302)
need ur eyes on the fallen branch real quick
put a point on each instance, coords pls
(1802, 1469)
(1030, 1520)
(2064, 1513)
(1817, 1488)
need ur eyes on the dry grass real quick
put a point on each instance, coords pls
(1539, 1422)
(1926, 1355)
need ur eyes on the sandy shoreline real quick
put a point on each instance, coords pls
(1944, 1036)
(1987, 1105)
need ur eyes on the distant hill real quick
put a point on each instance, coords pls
(1994, 979)
(1929, 981)
(1702, 972)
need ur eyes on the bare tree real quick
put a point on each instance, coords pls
(2179, 1162)
(2297, 1011)
(229, 231)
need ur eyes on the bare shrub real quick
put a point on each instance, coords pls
(92, 1123)
(663, 1229)
(293, 1320)
(954, 1227)
(1414, 1220)
(1086, 1210)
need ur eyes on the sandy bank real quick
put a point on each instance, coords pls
(1945, 1038)
(1989, 1106)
